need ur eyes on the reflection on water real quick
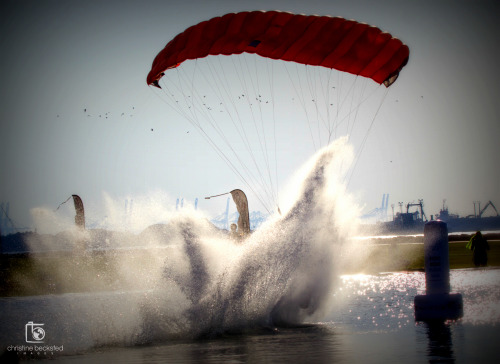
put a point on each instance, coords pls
(385, 301)
(308, 344)
(371, 320)
(481, 292)
(381, 306)
(382, 301)
(440, 343)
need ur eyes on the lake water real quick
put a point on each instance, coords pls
(371, 320)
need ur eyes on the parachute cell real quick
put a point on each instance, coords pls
(332, 42)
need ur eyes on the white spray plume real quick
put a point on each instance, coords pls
(198, 281)
(283, 274)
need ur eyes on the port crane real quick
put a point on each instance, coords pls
(419, 204)
(488, 204)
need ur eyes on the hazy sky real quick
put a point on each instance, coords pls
(437, 136)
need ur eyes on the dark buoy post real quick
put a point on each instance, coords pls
(438, 303)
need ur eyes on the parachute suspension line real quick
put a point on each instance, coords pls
(330, 104)
(260, 133)
(320, 96)
(355, 109)
(302, 97)
(169, 97)
(194, 119)
(325, 96)
(322, 103)
(214, 124)
(191, 113)
(325, 89)
(337, 105)
(244, 136)
(337, 100)
(358, 154)
(241, 131)
(190, 98)
(339, 88)
(258, 98)
(311, 83)
(349, 126)
(270, 77)
(194, 95)
(195, 122)
(177, 108)
(246, 96)
(301, 100)
(351, 95)
(209, 116)
(342, 99)
(216, 91)
(327, 106)
(192, 88)
(193, 78)
(345, 117)
(262, 183)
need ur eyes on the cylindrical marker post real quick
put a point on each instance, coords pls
(437, 264)
(437, 303)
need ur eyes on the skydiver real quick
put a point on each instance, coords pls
(234, 232)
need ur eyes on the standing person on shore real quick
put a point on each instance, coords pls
(479, 246)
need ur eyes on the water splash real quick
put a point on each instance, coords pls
(282, 274)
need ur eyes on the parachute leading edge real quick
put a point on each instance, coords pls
(332, 42)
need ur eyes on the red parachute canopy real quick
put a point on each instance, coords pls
(331, 42)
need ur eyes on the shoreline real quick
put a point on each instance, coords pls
(58, 272)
